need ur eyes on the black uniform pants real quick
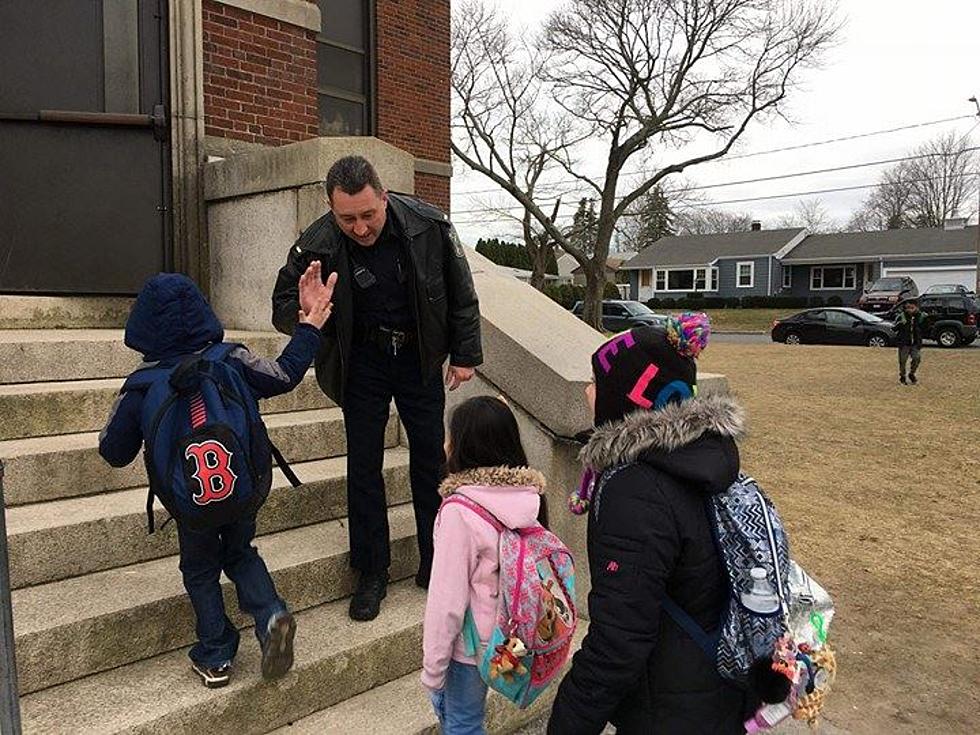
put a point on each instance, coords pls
(374, 378)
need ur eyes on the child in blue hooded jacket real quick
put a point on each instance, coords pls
(170, 321)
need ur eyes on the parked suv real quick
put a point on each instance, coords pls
(618, 316)
(948, 288)
(951, 319)
(883, 294)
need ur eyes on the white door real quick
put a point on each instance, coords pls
(926, 277)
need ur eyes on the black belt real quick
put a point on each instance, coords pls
(386, 338)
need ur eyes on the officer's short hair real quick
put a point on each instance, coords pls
(352, 174)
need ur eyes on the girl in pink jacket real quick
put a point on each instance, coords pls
(487, 464)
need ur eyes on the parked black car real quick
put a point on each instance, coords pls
(883, 294)
(951, 319)
(618, 316)
(834, 326)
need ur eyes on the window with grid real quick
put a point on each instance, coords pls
(345, 84)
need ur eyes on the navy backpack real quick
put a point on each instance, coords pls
(207, 452)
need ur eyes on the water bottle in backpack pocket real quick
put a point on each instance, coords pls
(207, 452)
(536, 619)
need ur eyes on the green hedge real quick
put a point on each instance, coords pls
(700, 302)
(567, 294)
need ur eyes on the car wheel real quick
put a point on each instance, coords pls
(948, 338)
(877, 340)
(792, 338)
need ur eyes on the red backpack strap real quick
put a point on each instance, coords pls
(476, 508)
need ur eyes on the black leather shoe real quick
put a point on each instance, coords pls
(366, 602)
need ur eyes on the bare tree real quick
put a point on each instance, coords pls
(936, 184)
(811, 214)
(711, 221)
(941, 180)
(637, 76)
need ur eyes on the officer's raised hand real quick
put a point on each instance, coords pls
(315, 296)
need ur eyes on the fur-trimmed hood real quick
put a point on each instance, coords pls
(494, 477)
(693, 440)
(513, 495)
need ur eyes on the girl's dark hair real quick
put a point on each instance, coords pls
(483, 432)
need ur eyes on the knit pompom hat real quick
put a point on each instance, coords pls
(644, 369)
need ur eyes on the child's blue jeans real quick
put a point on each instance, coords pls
(203, 556)
(461, 705)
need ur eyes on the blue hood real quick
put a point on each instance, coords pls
(171, 317)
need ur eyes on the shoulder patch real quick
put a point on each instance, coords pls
(457, 243)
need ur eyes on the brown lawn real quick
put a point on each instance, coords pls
(879, 486)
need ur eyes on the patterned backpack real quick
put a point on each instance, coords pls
(755, 551)
(536, 620)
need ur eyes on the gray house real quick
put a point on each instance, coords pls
(725, 265)
(793, 263)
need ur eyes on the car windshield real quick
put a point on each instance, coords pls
(637, 309)
(887, 284)
(943, 289)
(863, 315)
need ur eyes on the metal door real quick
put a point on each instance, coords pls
(84, 153)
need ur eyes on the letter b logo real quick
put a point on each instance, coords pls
(213, 471)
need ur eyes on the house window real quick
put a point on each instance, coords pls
(686, 280)
(700, 279)
(787, 276)
(345, 84)
(745, 277)
(835, 278)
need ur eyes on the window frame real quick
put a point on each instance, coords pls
(852, 269)
(368, 96)
(738, 274)
(787, 282)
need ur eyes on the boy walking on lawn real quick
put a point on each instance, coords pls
(216, 479)
(909, 326)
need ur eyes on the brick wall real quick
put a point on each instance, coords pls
(259, 77)
(413, 85)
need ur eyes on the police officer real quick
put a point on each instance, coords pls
(403, 303)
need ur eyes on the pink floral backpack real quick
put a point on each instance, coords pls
(536, 620)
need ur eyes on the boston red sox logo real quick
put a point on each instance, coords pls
(214, 473)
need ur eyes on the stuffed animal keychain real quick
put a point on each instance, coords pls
(507, 660)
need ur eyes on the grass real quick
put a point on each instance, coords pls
(879, 486)
(746, 320)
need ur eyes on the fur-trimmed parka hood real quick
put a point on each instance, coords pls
(513, 495)
(694, 440)
(494, 477)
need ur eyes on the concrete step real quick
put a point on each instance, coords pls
(64, 312)
(35, 355)
(54, 467)
(68, 538)
(70, 629)
(407, 711)
(50, 408)
(336, 659)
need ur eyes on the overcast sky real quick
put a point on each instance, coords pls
(899, 62)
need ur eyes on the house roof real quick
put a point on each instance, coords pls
(612, 264)
(860, 246)
(699, 250)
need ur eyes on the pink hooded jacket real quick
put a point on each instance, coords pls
(465, 568)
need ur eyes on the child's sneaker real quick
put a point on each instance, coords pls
(277, 651)
(214, 677)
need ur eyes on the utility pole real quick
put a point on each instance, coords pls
(976, 288)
